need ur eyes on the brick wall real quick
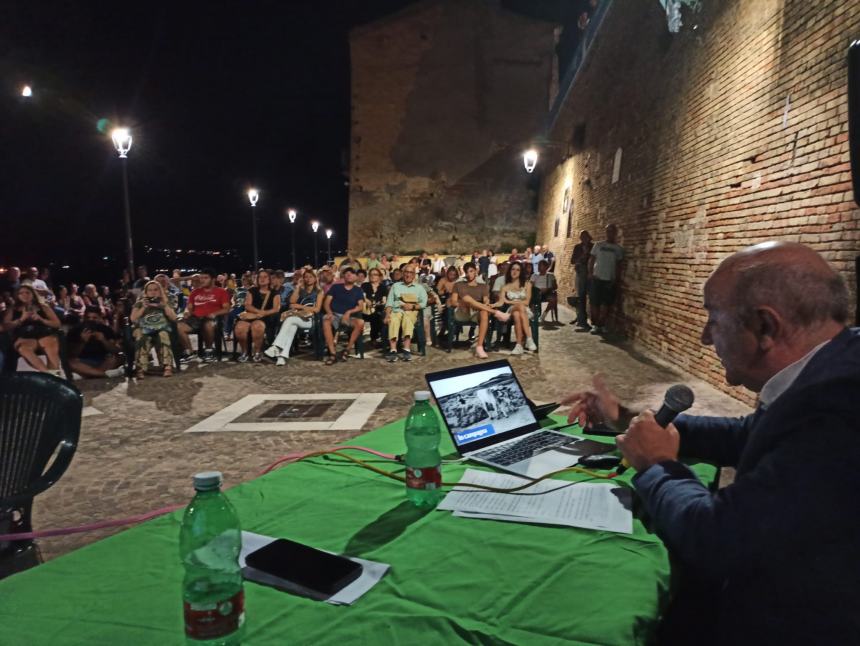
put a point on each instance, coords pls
(731, 133)
(444, 95)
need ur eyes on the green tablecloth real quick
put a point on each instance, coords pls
(453, 580)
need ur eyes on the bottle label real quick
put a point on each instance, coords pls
(424, 478)
(213, 620)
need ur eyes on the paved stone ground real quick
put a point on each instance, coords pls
(135, 456)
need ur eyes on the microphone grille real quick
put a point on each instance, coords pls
(679, 398)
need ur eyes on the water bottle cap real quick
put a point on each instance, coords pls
(422, 395)
(207, 480)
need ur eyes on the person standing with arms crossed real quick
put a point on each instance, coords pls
(605, 270)
(579, 260)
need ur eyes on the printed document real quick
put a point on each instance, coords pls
(553, 502)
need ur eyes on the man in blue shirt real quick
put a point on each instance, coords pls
(771, 558)
(343, 305)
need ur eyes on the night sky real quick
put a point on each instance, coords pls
(219, 95)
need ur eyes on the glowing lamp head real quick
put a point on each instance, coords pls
(253, 196)
(121, 138)
(27, 91)
(328, 233)
(530, 159)
(315, 226)
(292, 215)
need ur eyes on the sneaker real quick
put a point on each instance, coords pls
(583, 326)
(273, 352)
(406, 355)
(502, 316)
(481, 353)
(188, 356)
(258, 357)
(115, 372)
(518, 349)
(391, 356)
(280, 361)
(244, 358)
(531, 346)
(352, 353)
(208, 356)
(597, 330)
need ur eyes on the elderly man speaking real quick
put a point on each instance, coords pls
(775, 556)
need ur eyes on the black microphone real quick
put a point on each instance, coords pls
(676, 400)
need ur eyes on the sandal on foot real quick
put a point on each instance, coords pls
(329, 361)
(168, 371)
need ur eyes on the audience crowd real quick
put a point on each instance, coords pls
(145, 323)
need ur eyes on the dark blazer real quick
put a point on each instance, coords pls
(778, 550)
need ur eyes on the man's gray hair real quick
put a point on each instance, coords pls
(804, 296)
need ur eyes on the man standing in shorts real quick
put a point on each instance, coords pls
(471, 302)
(605, 267)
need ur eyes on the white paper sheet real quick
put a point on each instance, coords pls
(372, 572)
(554, 502)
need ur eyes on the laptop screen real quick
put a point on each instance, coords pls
(482, 404)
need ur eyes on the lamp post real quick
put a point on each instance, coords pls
(26, 91)
(315, 226)
(121, 138)
(253, 196)
(328, 233)
(292, 213)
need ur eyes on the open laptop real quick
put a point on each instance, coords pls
(490, 421)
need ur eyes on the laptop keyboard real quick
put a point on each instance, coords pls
(521, 450)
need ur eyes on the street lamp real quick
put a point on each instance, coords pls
(530, 159)
(328, 233)
(292, 213)
(315, 226)
(253, 196)
(26, 91)
(122, 142)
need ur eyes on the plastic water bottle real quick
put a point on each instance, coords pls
(209, 544)
(423, 463)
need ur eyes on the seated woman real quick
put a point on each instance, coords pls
(262, 309)
(517, 293)
(63, 306)
(152, 316)
(305, 302)
(33, 327)
(375, 293)
(77, 306)
(238, 304)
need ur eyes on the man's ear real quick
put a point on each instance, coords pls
(768, 326)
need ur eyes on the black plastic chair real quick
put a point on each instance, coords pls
(40, 415)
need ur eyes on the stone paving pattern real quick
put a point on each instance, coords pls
(135, 457)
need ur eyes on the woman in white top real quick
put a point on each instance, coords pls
(517, 293)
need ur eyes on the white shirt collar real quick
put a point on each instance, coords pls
(783, 380)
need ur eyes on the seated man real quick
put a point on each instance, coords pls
(94, 347)
(405, 299)
(471, 301)
(771, 558)
(343, 305)
(205, 304)
(546, 283)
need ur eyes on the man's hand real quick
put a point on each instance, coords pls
(345, 319)
(86, 334)
(647, 443)
(592, 407)
(387, 319)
